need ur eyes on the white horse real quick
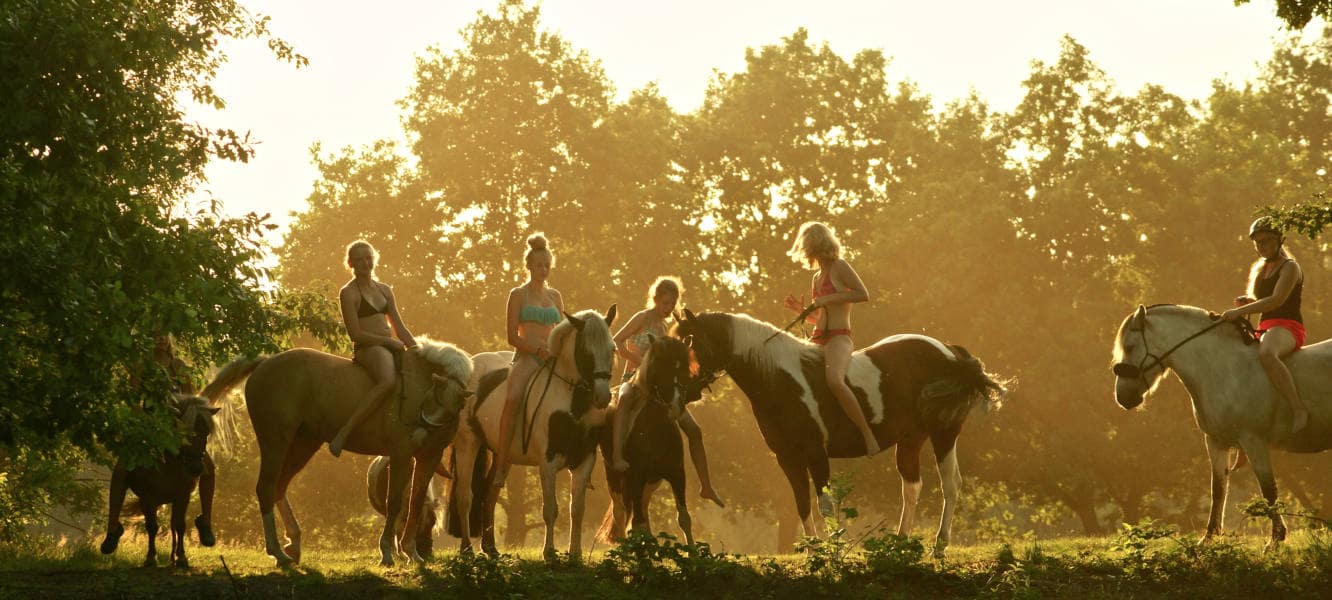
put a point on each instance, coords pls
(1234, 403)
(565, 403)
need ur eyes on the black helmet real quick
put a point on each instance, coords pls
(1262, 224)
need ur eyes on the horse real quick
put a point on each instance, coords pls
(912, 388)
(298, 400)
(652, 448)
(377, 489)
(170, 481)
(564, 405)
(1234, 403)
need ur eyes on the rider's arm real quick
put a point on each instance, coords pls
(622, 336)
(511, 327)
(395, 319)
(1285, 284)
(853, 289)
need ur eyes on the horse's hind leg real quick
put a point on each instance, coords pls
(116, 501)
(178, 510)
(1262, 468)
(908, 468)
(950, 479)
(298, 455)
(797, 474)
(150, 524)
(1219, 455)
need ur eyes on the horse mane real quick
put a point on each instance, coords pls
(446, 356)
(595, 328)
(750, 339)
(193, 407)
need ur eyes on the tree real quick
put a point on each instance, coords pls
(1298, 13)
(99, 259)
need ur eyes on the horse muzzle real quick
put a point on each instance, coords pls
(1127, 393)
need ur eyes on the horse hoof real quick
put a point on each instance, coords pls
(283, 561)
(550, 554)
(112, 539)
(150, 562)
(293, 550)
(206, 537)
(491, 552)
(182, 563)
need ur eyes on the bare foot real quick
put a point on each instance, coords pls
(711, 494)
(1301, 420)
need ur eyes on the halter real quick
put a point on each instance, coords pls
(1130, 371)
(424, 421)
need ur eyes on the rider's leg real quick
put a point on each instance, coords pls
(626, 409)
(379, 362)
(1277, 343)
(699, 456)
(524, 367)
(837, 357)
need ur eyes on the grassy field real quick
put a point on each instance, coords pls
(1140, 562)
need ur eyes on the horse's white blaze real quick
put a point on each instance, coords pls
(938, 345)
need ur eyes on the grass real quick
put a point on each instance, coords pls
(1140, 562)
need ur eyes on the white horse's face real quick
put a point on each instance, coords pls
(594, 352)
(1137, 370)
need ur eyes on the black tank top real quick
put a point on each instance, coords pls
(1290, 309)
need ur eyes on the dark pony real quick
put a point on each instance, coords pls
(170, 481)
(653, 448)
(912, 388)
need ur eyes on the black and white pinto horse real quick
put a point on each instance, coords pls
(652, 447)
(912, 388)
(564, 406)
(1234, 403)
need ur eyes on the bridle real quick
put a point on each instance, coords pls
(1139, 371)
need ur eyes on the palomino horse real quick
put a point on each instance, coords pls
(298, 400)
(170, 481)
(564, 404)
(377, 489)
(1234, 403)
(653, 448)
(912, 388)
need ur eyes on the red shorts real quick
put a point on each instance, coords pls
(822, 337)
(1295, 328)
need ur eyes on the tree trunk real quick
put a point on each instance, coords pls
(1085, 508)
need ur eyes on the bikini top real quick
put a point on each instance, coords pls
(826, 287)
(640, 339)
(535, 313)
(366, 309)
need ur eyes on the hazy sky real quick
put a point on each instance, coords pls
(362, 56)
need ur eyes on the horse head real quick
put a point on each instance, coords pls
(590, 352)
(665, 372)
(1147, 340)
(446, 391)
(195, 418)
(709, 347)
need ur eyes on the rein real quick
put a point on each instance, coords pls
(1130, 371)
(578, 386)
(799, 319)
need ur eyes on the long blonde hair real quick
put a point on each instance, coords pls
(813, 241)
(1256, 271)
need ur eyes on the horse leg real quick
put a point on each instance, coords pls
(945, 452)
(821, 472)
(178, 510)
(207, 484)
(549, 509)
(797, 474)
(677, 481)
(400, 469)
(150, 524)
(908, 468)
(636, 497)
(272, 455)
(116, 501)
(422, 471)
(1262, 468)
(577, 504)
(1219, 455)
(460, 491)
(298, 455)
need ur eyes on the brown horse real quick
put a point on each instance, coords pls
(912, 388)
(298, 400)
(653, 448)
(170, 481)
(377, 489)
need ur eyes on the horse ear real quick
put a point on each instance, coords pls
(575, 321)
(689, 315)
(610, 316)
(1141, 315)
(676, 315)
(212, 410)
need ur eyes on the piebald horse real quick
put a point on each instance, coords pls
(298, 400)
(1234, 404)
(564, 405)
(912, 388)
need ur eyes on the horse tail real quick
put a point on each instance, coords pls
(230, 376)
(481, 479)
(606, 533)
(376, 485)
(946, 402)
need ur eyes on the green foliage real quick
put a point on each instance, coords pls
(641, 559)
(1135, 540)
(892, 555)
(1298, 13)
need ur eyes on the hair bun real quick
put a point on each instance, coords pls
(536, 241)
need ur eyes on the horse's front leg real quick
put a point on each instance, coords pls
(150, 524)
(950, 479)
(178, 510)
(797, 474)
(908, 468)
(116, 501)
(577, 502)
(1262, 468)
(1219, 456)
(550, 511)
(421, 474)
(400, 468)
(677, 481)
